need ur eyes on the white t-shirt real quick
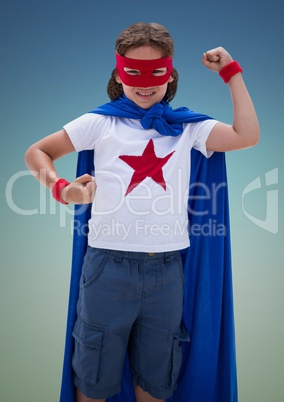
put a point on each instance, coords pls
(142, 181)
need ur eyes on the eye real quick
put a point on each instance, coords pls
(131, 72)
(160, 71)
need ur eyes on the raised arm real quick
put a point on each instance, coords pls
(244, 132)
(39, 159)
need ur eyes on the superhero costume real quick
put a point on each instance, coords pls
(208, 372)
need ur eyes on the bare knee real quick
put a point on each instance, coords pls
(82, 398)
(143, 396)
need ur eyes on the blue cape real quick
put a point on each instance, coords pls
(208, 372)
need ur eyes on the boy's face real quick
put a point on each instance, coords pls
(145, 96)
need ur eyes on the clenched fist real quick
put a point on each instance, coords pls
(216, 59)
(80, 191)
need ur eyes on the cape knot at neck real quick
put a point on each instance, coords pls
(161, 117)
(155, 112)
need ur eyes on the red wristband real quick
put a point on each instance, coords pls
(57, 188)
(229, 70)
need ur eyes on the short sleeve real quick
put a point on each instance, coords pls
(86, 130)
(200, 133)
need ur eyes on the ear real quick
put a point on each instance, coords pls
(118, 80)
(171, 79)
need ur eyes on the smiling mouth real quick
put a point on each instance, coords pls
(145, 94)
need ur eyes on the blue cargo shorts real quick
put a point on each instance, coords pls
(129, 302)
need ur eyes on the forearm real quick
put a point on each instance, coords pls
(80, 191)
(39, 159)
(41, 166)
(244, 132)
(245, 122)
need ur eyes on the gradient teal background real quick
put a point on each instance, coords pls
(56, 59)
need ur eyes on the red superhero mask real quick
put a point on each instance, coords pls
(146, 78)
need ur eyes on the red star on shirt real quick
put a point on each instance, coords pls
(146, 165)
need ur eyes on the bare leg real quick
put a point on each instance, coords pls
(82, 398)
(142, 396)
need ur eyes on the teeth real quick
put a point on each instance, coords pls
(145, 93)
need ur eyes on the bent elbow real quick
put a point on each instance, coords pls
(253, 138)
(27, 156)
(31, 156)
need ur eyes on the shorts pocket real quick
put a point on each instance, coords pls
(87, 353)
(93, 266)
(177, 337)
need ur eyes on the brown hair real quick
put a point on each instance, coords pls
(144, 34)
